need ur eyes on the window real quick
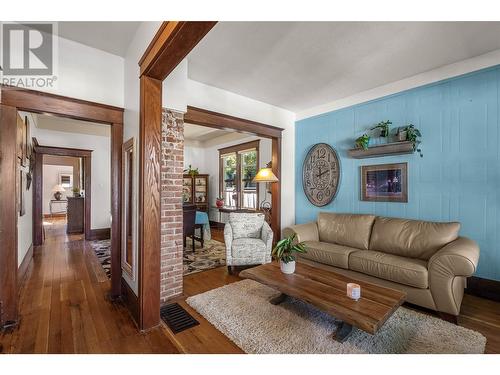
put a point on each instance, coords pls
(238, 167)
(66, 180)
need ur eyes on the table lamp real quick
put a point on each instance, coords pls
(58, 190)
(266, 175)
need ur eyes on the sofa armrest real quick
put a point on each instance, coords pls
(266, 235)
(448, 269)
(458, 258)
(304, 232)
(228, 238)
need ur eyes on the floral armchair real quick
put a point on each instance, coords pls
(249, 240)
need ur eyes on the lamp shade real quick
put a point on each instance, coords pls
(58, 188)
(265, 175)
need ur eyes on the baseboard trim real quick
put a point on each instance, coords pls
(23, 267)
(100, 234)
(131, 301)
(484, 288)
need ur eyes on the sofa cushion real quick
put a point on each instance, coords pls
(327, 253)
(345, 229)
(246, 225)
(411, 238)
(247, 247)
(407, 271)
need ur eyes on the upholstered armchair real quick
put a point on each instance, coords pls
(249, 240)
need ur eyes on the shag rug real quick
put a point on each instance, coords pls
(242, 312)
(103, 251)
(212, 255)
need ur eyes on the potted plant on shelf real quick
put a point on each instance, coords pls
(191, 171)
(76, 192)
(363, 141)
(413, 135)
(383, 127)
(285, 251)
(219, 202)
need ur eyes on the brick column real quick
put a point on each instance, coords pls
(172, 166)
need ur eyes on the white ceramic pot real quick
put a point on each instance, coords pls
(287, 267)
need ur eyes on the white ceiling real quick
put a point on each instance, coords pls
(67, 125)
(112, 37)
(298, 65)
(203, 136)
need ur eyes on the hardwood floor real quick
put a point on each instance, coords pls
(64, 309)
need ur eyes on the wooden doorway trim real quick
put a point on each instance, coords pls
(86, 156)
(171, 44)
(13, 99)
(204, 117)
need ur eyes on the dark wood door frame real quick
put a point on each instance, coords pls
(171, 44)
(204, 117)
(86, 156)
(13, 99)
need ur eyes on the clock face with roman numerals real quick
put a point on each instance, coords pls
(321, 174)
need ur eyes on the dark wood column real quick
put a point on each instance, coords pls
(116, 206)
(8, 215)
(149, 202)
(276, 188)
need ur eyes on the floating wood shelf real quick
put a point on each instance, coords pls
(395, 148)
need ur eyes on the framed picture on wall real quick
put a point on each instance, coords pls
(22, 189)
(384, 182)
(22, 134)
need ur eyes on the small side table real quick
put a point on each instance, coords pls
(55, 201)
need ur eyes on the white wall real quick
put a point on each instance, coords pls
(50, 179)
(100, 168)
(206, 159)
(25, 222)
(143, 36)
(214, 99)
(86, 73)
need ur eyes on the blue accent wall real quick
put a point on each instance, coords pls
(458, 179)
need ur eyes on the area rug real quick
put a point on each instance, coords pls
(242, 312)
(212, 255)
(103, 251)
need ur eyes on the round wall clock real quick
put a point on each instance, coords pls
(321, 174)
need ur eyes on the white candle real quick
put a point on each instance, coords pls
(353, 291)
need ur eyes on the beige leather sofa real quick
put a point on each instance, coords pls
(427, 260)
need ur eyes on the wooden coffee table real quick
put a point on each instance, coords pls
(326, 290)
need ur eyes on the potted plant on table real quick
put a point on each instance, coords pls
(285, 251)
(76, 192)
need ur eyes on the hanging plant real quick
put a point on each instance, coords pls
(384, 128)
(413, 135)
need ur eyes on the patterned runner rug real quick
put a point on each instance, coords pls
(212, 255)
(103, 251)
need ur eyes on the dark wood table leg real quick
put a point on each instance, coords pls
(343, 331)
(278, 299)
